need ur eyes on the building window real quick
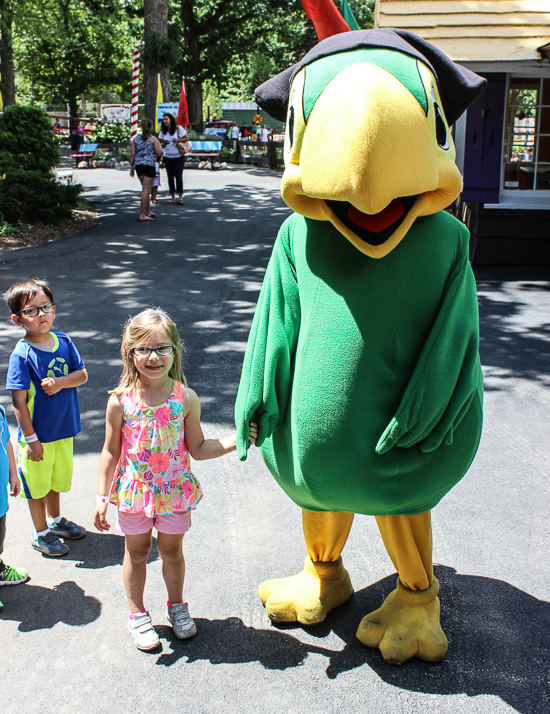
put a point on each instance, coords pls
(527, 141)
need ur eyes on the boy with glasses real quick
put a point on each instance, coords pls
(44, 371)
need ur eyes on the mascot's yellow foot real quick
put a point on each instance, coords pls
(309, 596)
(407, 625)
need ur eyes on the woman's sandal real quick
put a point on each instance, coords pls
(180, 201)
(172, 200)
(145, 219)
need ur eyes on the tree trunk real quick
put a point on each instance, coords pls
(155, 21)
(194, 103)
(165, 83)
(7, 72)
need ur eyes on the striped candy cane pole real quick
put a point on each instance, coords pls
(135, 88)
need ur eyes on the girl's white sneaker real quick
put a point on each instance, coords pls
(143, 633)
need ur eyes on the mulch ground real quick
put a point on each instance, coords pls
(37, 234)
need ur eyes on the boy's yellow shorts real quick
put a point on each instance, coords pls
(53, 473)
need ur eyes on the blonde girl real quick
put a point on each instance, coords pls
(152, 426)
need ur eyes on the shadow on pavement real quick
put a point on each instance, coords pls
(101, 550)
(509, 346)
(498, 643)
(39, 608)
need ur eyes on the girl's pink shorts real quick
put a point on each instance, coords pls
(138, 523)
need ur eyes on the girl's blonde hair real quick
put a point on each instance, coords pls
(136, 331)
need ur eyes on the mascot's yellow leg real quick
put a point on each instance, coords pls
(323, 584)
(407, 625)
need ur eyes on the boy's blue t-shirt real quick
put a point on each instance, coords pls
(53, 417)
(4, 462)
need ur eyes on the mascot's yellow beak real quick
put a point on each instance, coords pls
(369, 158)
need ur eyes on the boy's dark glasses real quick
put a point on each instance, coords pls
(162, 351)
(35, 311)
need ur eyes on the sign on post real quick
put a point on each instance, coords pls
(116, 112)
(167, 108)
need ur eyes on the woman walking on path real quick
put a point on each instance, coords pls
(145, 149)
(170, 136)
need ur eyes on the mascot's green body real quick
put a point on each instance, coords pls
(362, 367)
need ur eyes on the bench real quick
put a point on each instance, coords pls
(86, 153)
(206, 150)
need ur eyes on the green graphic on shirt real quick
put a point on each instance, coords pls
(58, 370)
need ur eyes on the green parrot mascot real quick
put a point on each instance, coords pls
(362, 368)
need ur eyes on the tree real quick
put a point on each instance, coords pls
(214, 33)
(65, 48)
(7, 73)
(156, 54)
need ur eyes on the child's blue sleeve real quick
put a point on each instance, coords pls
(19, 376)
(75, 360)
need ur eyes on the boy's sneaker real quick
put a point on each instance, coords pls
(67, 529)
(49, 544)
(143, 633)
(12, 576)
(182, 622)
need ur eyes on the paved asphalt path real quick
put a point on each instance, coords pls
(64, 645)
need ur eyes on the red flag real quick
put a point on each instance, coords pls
(326, 19)
(183, 114)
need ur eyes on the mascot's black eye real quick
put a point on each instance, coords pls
(440, 129)
(291, 126)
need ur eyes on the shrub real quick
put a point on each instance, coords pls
(32, 197)
(29, 190)
(112, 132)
(27, 140)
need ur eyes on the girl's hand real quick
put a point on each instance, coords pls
(50, 386)
(15, 485)
(132, 171)
(100, 517)
(35, 451)
(252, 432)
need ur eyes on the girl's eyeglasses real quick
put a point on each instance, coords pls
(35, 311)
(162, 351)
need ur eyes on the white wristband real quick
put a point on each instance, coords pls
(102, 499)
(31, 438)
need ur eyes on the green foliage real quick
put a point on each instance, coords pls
(6, 229)
(28, 189)
(160, 51)
(65, 48)
(211, 98)
(113, 132)
(27, 140)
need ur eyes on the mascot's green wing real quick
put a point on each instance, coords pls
(264, 396)
(447, 374)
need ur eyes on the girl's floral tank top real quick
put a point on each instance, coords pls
(153, 474)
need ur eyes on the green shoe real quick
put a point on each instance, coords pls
(12, 576)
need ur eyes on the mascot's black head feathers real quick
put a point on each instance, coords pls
(458, 86)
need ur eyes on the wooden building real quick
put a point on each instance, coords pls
(503, 141)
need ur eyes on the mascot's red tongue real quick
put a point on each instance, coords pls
(378, 221)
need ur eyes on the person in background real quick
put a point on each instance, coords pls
(145, 151)
(77, 136)
(244, 131)
(156, 184)
(264, 133)
(234, 131)
(170, 136)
